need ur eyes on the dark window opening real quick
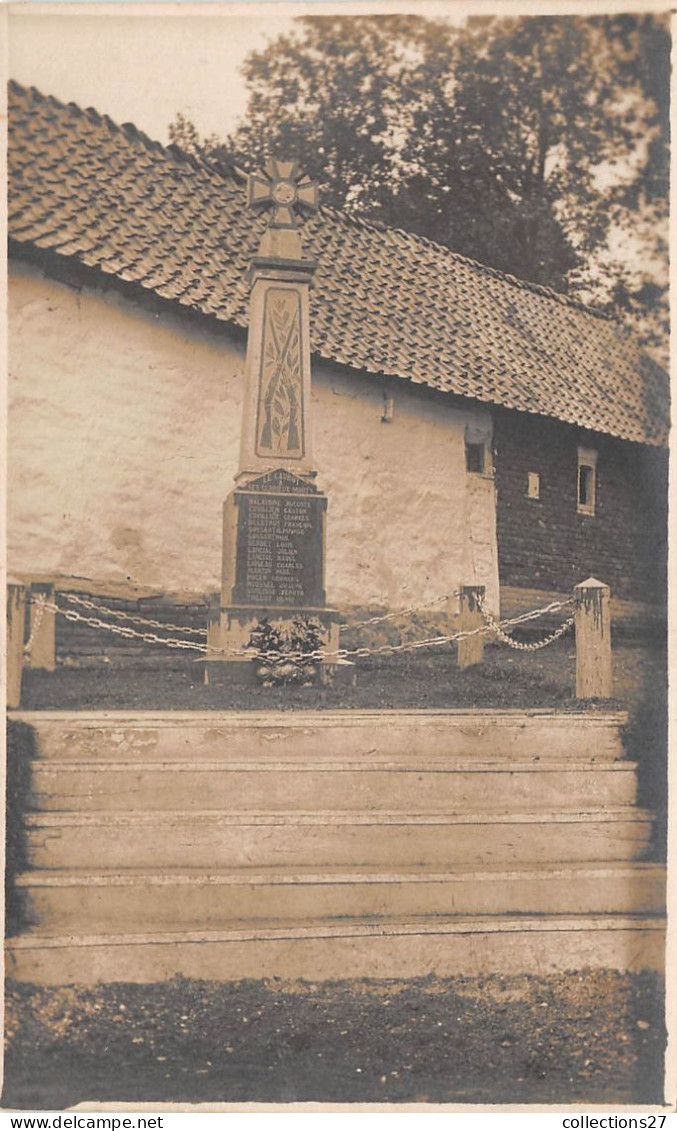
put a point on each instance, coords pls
(474, 457)
(586, 487)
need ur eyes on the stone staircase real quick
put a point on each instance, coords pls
(331, 845)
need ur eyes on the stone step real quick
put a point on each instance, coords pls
(406, 785)
(466, 735)
(213, 839)
(110, 903)
(460, 946)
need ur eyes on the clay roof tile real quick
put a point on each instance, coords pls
(385, 301)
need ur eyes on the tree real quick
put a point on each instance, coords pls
(505, 142)
(637, 284)
(328, 94)
(527, 144)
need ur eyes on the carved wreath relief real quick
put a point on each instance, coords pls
(280, 408)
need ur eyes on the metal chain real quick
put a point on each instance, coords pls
(119, 615)
(40, 606)
(128, 633)
(169, 642)
(402, 612)
(519, 645)
(336, 656)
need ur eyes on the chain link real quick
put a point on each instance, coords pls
(120, 615)
(127, 633)
(517, 644)
(340, 654)
(40, 606)
(252, 653)
(402, 612)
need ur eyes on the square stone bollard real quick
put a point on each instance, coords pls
(593, 640)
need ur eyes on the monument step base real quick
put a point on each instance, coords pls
(443, 946)
(76, 902)
(508, 736)
(219, 839)
(410, 785)
(227, 671)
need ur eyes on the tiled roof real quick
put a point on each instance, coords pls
(385, 301)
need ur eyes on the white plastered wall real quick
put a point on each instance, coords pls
(123, 442)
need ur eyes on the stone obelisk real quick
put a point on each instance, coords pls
(274, 519)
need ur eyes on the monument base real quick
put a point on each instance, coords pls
(230, 629)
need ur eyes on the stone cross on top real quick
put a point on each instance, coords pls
(282, 187)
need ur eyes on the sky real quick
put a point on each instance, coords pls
(141, 67)
(143, 63)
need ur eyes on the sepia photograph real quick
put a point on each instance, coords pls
(336, 555)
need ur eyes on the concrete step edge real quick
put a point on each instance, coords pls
(437, 925)
(61, 819)
(200, 877)
(237, 720)
(54, 766)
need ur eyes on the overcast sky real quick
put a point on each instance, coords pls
(140, 67)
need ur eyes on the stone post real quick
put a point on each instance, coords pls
(593, 640)
(16, 617)
(43, 648)
(471, 649)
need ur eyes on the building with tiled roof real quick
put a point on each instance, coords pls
(469, 426)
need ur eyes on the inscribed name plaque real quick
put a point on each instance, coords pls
(280, 543)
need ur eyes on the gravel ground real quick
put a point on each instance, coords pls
(587, 1037)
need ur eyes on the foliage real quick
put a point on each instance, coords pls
(535, 145)
(266, 637)
(328, 94)
(304, 636)
(637, 284)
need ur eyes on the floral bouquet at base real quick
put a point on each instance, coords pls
(282, 652)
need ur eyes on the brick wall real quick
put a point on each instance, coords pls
(83, 644)
(546, 543)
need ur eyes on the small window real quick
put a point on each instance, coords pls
(474, 457)
(586, 486)
(587, 480)
(533, 485)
